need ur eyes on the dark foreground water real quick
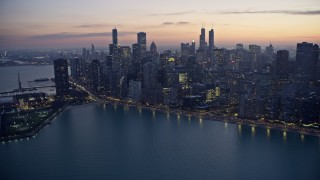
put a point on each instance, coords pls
(104, 142)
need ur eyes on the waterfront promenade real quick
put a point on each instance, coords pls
(48, 120)
(227, 119)
(197, 114)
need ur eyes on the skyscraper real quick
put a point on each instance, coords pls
(142, 43)
(316, 61)
(113, 47)
(255, 49)
(211, 40)
(114, 36)
(305, 61)
(154, 51)
(84, 53)
(135, 53)
(185, 49)
(61, 77)
(269, 49)
(134, 90)
(192, 49)
(75, 68)
(92, 50)
(124, 58)
(95, 74)
(239, 46)
(255, 52)
(153, 48)
(149, 75)
(202, 44)
(282, 63)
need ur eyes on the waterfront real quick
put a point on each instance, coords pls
(104, 141)
(46, 71)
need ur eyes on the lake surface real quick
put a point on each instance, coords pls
(111, 142)
(9, 75)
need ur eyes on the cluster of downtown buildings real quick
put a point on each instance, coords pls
(252, 84)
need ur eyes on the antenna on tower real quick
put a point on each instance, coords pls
(19, 82)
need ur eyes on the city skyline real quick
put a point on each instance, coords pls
(49, 24)
(164, 89)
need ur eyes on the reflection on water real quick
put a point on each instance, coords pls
(253, 130)
(239, 128)
(284, 134)
(302, 137)
(153, 113)
(98, 141)
(268, 132)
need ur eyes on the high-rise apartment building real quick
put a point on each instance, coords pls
(61, 77)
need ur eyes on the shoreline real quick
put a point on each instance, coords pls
(226, 119)
(197, 115)
(37, 129)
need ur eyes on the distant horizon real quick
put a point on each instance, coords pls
(51, 24)
(160, 47)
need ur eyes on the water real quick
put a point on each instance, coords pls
(9, 75)
(107, 142)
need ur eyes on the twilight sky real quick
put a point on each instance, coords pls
(74, 23)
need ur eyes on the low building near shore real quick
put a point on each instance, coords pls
(7, 105)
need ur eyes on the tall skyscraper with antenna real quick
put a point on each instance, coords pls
(114, 45)
(203, 44)
(211, 40)
(115, 36)
(142, 43)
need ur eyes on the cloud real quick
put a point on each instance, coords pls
(168, 23)
(182, 23)
(77, 35)
(175, 23)
(290, 12)
(91, 25)
(172, 14)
